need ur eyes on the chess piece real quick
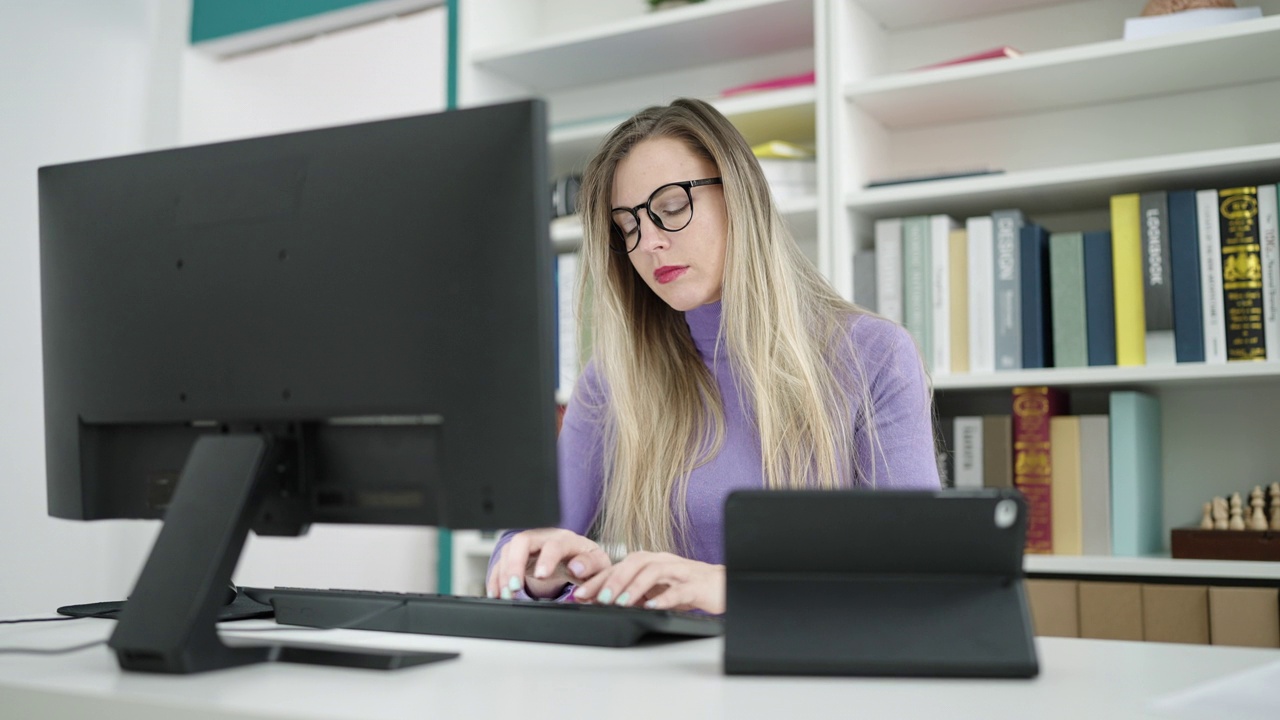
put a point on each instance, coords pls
(1237, 520)
(1206, 522)
(1167, 7)
(1257, 519)
(1219, 514)
(1275, 511)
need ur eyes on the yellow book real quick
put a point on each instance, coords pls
(1064, 490)
(959, 267)
(1126, 259)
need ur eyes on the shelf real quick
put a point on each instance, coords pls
(1118, 70)
(787, 113)
(700, 34)
(1074, 187)
(1183, 375)
(1151, 567)
(900, 14)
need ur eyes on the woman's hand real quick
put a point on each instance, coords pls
(658, 581)
(543, 561)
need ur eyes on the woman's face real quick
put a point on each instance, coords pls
(686, 267)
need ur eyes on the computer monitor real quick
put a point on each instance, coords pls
(352, 324)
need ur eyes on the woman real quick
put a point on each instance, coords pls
(722, 361)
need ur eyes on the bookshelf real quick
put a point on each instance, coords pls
(1080, 116)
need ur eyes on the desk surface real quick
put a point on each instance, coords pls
(493, 679)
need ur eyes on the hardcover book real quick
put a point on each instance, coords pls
(1184, 267)
(1241, 273)
(1126, 265)
(1070, 322)
(1136, 474)
(1037, 311)
(1067, 508)
(1008, 288)
(889, 268)
(1099, 298)
(1157, 286)
(1033, 407)
(982, 312)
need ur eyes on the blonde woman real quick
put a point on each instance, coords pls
(722, 361)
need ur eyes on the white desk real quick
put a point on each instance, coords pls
(524, 681)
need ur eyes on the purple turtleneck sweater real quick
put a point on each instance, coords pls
(899, 392)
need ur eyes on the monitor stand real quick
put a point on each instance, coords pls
(168, 623)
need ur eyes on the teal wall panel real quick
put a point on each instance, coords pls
(213, 19)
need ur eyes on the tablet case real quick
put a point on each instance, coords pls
(886, 583)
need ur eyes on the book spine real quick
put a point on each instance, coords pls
(1126, 264)
(1099, 298)
(959, 241)
(982, 312)
(1136, 471)
(1184, 271)
(864, 279)
(1037, 320)
(1095, 484)
(997, 451)
(1241, 273)
(1070, 328)
(1269, 235)
(1033, 460)
(946, 448)
(940, 227)
(1157, 286)
(1215, 348)
(1068, 523)
(916, 304)
(889, 268)
(968, 460)
(567, 321)
(1008, 289)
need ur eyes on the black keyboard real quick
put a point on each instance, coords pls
(534, 621)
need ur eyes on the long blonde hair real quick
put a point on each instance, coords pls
(786, 332)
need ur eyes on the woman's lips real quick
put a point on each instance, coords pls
(667, 273)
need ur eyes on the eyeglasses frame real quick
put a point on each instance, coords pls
(687, 185)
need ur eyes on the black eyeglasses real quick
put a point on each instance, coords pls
(670, 207)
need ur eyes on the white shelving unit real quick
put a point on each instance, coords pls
(1081, 116)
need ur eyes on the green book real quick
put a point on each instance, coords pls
(1066, 289)
(917, 300)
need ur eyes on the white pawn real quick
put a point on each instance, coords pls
(1219, 514)
(1206, 522)
(1258, 519)
(1237, 520)
(1275, 511)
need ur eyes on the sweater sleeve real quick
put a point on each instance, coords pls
(900, 454)
(580, 459)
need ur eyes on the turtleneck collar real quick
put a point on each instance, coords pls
(704, 326)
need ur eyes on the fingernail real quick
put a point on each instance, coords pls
(605, 596)
(651, 604)
(506, 594)
(624, 599)
(580, 594)
(577, 568)
(540, 572)
(514, 583)
(488, 592)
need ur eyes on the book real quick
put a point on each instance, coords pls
(567, 353)
(917, 304)
(1070, 316)
(864, 279)
(1241, 273)
(940, 227)
(982, 312)
(1184, 271)
(1126, 268)
(1068, 521)
(1157, 286)
(959, 268)
(1008, 288)
(775, 83)
(888, 239)
(1099, 298)
(1033, 407)
(967, 431)
(1136, 474)
(1037, 313)
(995, 53)
(1095, 484)
(997, 451)
(945, 447)
(1269, 251)
(1215, 349)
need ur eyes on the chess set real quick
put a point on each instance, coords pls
(1233, 529)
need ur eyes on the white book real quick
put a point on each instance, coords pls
(889, 268)
(1095, 484)
(1269, 236)
(567, 321)
(1215, 327)
(968, 455)
(940, 227)
(982, 304)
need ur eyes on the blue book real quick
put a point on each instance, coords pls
(1184, 259)
(1099, 298)
(1136, 475)
(1037, 323)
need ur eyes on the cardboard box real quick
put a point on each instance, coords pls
(1175, 613)
(1244, 616)
(1110, 610)
(1055, 608)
